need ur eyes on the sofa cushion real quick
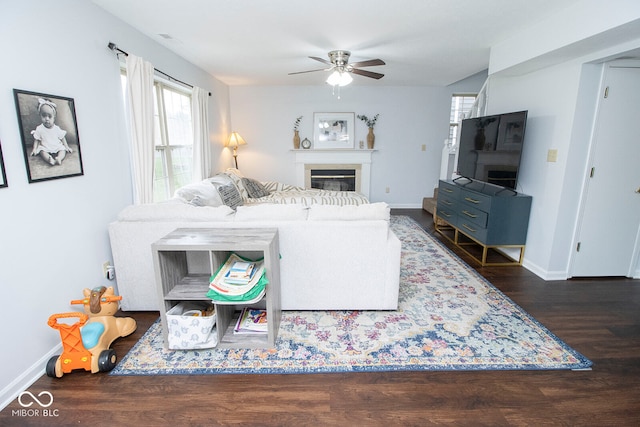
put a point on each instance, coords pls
(370, 211)
(271, 212)
(230, 195)
(254, 188)
(175, 212)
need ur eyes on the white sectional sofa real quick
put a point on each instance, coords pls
(337, 251)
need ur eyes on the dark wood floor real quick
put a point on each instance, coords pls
(600, 318)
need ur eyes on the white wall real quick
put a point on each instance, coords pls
(54, 233)
(556, 77)
(409, 118)
(549, 125)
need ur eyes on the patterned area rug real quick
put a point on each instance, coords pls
(449, 318)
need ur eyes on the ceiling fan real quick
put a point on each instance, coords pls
(339, 63)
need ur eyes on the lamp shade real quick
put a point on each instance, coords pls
(235, 140)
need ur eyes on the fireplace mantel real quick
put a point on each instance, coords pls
(335, 157)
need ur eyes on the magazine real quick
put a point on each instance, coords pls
(251, 321)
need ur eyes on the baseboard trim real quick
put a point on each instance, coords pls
(542, 273)
(27, 378)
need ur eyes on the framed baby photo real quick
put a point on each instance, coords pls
(333, 130)
(3, 174)
(49, 133)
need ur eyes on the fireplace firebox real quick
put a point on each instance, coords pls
(334, 179)
(335, 162)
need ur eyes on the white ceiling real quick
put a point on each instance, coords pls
(258, 42)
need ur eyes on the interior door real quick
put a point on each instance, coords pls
(610, 224)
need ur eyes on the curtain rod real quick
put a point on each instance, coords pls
(116, 49)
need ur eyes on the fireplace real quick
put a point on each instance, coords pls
(337, 166)
(333, 177)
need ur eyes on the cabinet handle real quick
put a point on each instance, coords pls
(469, 228)
(444, 214)
(469, 199)
(446, 202)
(446, 190)
(469, 214)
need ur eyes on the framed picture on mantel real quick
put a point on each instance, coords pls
(333, 130)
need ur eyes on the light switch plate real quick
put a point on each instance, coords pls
(552, 155)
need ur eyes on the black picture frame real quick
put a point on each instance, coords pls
(51, 161)
(3, 173)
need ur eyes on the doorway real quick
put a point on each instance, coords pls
(608, 232)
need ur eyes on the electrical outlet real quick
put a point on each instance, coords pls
(424, 147)
(552, 155)
(105, 268)
(387, 190)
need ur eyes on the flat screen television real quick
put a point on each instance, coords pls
(490, 148)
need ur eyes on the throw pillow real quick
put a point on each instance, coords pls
(254, 188)
(206, 194)
(197, 201)
(230, 195)
(238, 183)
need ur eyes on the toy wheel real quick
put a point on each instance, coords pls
(107, 360)
(51, 367)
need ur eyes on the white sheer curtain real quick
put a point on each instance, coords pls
(140, 105)
(201, 145)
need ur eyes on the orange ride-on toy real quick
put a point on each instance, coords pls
(85, 344)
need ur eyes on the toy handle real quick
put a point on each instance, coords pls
(110, 298)
(53, 319)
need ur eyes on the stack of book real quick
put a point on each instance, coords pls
(238, 281)
(251, 321)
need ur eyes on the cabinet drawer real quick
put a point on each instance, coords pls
(448, 190)
(447, 201)
(473, 230)
(468, 213)
(446, 213)
(477, 200)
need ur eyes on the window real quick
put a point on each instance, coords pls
(460, 106)
(173, 138)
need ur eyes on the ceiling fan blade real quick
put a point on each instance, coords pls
(310, 71)
(369, 63)
(367, 73)
(324, 61)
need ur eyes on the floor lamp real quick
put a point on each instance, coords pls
(234, 141)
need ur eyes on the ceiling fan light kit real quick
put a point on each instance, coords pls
(341, 70)
(339, 78)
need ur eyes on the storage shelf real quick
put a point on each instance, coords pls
(192, 287)
(232, 340)
(179, 279)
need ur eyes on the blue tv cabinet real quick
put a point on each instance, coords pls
(479, 213)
